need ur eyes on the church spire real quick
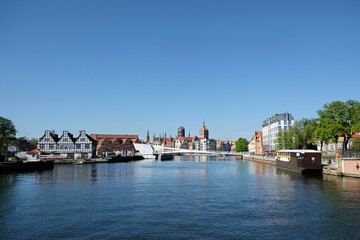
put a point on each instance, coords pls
(147, 137)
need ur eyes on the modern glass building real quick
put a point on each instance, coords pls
(272, 126)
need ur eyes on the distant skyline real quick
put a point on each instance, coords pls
(131, 66)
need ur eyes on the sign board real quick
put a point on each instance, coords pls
(11, 148)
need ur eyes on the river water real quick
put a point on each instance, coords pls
(189, 198)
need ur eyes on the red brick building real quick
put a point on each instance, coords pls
(120, 144)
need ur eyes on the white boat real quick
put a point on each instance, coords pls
(145, 150)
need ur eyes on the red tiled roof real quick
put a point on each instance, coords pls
(34, 151)
(356, 135)
(98, 137)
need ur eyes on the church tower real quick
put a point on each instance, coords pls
(181, 131)
(204, 132)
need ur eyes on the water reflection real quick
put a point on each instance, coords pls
(83, 173)
(178, 199)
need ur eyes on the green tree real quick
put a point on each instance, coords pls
(34, 142)
(303, 133)
(284, 140)
(339, 119)
(309, 135)
(241, 145)
(7, 133)
(299, 136)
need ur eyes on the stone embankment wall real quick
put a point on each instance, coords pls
(334, 168)
(263, 159)
(344, 167)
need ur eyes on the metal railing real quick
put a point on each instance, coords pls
(342, 154)
(350, 154)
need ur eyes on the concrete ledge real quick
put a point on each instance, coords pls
(271, 161)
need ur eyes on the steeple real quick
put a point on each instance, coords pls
(147, 137)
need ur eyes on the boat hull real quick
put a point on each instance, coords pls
(116, 159)
(308, 162)
(164, 157)
(8, 167)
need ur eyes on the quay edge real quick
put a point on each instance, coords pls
(267, 160)
(344, 167)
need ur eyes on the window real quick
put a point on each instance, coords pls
(87, 146)
(78, 146)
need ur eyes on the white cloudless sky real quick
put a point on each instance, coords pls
(132, 66)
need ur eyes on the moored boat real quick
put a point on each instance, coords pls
(26, 166)
(119, 158)
(164, 157)
(300, 160)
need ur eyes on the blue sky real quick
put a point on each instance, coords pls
(132, 66)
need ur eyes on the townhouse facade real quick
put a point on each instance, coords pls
(199, 143)
(255, 145)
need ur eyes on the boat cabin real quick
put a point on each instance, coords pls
(299, 159)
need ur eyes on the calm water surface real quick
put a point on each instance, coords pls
(189, 198)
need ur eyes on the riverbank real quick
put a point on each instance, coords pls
(262, 159)
(99, 160)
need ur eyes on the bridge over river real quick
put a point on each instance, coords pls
(169, 150)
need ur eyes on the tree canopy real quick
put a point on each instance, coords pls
(336, 119)
(299, 136)
(7, 133)
(241, 145)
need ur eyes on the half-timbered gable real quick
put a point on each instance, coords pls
(66, 143)
(67, 146)
(48, 142)
(85, 145)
